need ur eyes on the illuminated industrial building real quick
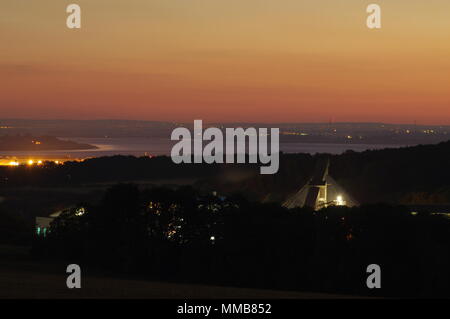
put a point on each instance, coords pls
(321, 191)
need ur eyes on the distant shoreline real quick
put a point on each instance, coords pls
(21, 143)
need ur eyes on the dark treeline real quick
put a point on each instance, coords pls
(103, 169)
(409, 175)
(183, 235)
(413, 175)
(419, 174)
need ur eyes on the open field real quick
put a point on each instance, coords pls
(21, 277)
(28, 284)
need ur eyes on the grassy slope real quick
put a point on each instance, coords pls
(21, 277)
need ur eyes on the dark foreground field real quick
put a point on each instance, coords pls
(21, 277)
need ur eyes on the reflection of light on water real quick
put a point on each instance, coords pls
(103, 147)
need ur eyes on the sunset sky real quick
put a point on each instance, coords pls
(226, 60)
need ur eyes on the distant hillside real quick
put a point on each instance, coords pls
(409, 175)
(341, 133)
(42, 143)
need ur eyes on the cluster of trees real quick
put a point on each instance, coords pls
(183, 235)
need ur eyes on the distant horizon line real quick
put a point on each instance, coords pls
(217, 122)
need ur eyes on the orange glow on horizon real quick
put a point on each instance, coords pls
(246, 61)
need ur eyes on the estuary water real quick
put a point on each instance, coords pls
(142, 146)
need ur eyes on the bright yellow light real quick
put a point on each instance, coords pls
(30, 162)
(39, 162)
(56, 162)
(80, 211)
(13, 163)
(340, 201)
